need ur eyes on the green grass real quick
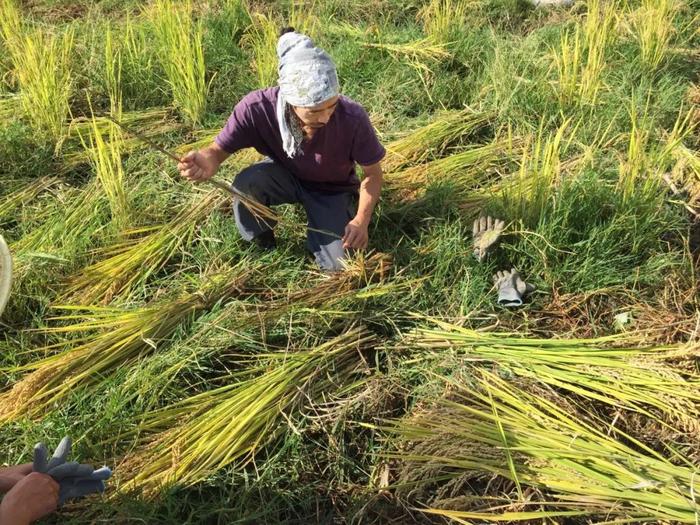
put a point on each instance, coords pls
(255, 404)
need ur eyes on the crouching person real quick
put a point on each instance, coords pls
(312, 137)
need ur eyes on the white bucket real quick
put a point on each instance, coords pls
(5, 273)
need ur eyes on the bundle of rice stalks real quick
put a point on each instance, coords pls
(421, 55)
(465, 170)
(364, 278)
(446, 129)
(646, 163)
(536, 455)
(10, 107)
(209, 431)
(580, 61)
(633, 378)
(261, 38)
(130, 263)
(151, 123)
(10, 29)
(181, 54)
(107, 162)
(440, 18)
(652, 26)
(527, 194)
(420, 51)
(203, 138)
(114, 338)
(11, 202)
(686, 178)
(262, 35)
(41, 64)
(78, 218)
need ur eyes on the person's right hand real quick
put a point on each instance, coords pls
(33, 497)
(198, 166)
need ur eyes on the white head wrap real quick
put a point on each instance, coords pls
(307, 77)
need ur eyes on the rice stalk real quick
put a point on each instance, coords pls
(128, 264)
(113, 338)
(539, 175)
(204, 433)
(638, 171)
(203, 138)
(106, 159)
(10, 107)
(152, 122)
(106, 154)
(263, 33)
(181, 54)
(652, 25)
(11, 28)
(113, 76)
(420, 55)
(446, 129)
(422, 51)
(580, 59)
(558, 453)
(612, 370)
(364, 277)
(441, 17)
(11, 202)
(79, 217)
(261, 39)
(42, 65)
(465, 170)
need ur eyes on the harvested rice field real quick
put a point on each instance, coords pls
(223, 383)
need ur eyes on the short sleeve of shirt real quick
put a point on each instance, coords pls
(237, 134)
(366, 148)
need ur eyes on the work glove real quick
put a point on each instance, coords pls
(486, 231)
(511, 288)
(75, 479)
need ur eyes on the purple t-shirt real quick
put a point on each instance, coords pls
(326, 162)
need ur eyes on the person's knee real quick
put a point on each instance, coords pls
(248, 180)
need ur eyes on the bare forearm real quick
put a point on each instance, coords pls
(216, 153)
(370, 191)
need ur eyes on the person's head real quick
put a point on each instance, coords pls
(317, 116)
(307, 78)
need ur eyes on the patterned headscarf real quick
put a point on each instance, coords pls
(307, 77)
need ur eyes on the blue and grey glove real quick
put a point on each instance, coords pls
(511, 288)
(75, 479)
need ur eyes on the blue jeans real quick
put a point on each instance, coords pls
(271, 184)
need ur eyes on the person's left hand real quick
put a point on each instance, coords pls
(356, 235)
(9, 476)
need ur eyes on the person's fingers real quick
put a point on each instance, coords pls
(364, 242)
(482, 224)
(346, 234)
(194, 173)
(475, 227)
(350, 239)
(190, 156)
(500, 224)
(489, 223)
